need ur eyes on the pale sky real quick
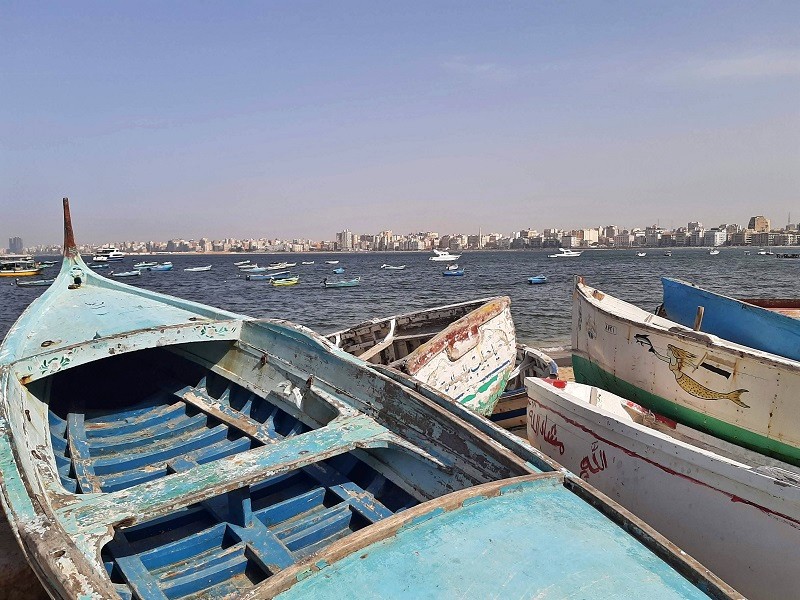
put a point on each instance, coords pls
(300, 119)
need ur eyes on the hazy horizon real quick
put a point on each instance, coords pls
(301, 120)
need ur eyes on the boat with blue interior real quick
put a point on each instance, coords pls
(537, 279)
(455, 273)
(154, 447)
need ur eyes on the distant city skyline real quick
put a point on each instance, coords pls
(295, 120)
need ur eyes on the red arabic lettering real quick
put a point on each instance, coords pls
(549, 435)
(597, 463)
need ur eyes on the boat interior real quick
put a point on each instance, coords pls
(129, 426)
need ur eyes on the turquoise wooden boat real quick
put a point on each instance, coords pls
(265, 276)
(458, 273)
(341, 284)
(33, 283)
(338, 270)
(537, 279)
(153, 447)
(731, 319)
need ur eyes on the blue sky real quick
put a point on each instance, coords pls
(300, 119)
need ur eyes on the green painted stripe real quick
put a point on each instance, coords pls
(588, 372)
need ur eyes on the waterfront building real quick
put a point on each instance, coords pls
(765, 238)
(697, 237)
(759, 224)
(623, 240)
(714, 237)
(15, 245)
(742, 238)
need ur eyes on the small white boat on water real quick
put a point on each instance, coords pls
(197, 269)
(453, 267)
(668, 253)
(135, 273)
(280, 266)
(331, 262)
(307, 262)
(393, 268)
(443, 256)
(564, 253)
(141, 265)
(108, 254)
(241, 263)
(641, 254)
(713, 252)
(736, 511)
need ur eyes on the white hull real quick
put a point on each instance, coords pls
(445, 257)
(740, 522)
(731, 391)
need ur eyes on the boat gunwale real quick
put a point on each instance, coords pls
(731, 469)
(680, 331)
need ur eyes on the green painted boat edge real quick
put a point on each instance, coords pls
(586, 371)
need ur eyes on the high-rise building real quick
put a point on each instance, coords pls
(759, 224)
(15, 245)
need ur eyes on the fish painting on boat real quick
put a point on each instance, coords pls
(740, 394)
(735, 510)
(154, 447)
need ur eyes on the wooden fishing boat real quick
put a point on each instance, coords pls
(307, 262)
(99, 266)
(706, 495)
(339, 270)
(141, 265)
(167, 266)
(18, 265)
(464, 350)
(280, 265)
(386, 341)
(198, 269)
(266, 277)
(341, 284)
(255, 269)
(537, 279)
(241, 263)
(393, 268)
(734, 320)
(742, 395)
(331, 262)
(785, 306)
(285, 281)
(34, 283)
(135, 273)
(153, 447)
(449, 273)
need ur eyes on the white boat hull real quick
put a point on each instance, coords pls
(745, 396)
(740, 523)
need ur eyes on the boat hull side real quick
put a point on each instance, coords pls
(740, 395)
(704, 511)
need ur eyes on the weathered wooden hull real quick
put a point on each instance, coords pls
(464, 350)
(741, 395)
(731, 319)
(735, 510)
(153, 447)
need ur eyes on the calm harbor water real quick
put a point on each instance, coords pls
(542, 313)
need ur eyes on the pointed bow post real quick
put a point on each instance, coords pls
(70, 249)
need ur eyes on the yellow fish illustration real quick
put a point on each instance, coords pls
(677, 359)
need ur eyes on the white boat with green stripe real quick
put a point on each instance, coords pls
(745, 396)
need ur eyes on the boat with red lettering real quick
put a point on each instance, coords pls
(735, 510)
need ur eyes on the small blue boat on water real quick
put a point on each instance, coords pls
(537, 279)
(457, 273)
(153, 447)
(734, 320)
(341, 284)
(339, 270)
